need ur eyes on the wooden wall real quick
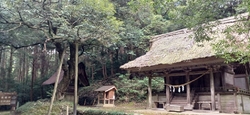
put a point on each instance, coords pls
(110, 94)
(227, 103)
(243, 103)
(231, 103)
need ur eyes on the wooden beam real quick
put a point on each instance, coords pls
(212, 89)
(188, 88)
(190, 73)
(150, 92)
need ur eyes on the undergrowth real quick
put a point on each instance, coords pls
(41, 108)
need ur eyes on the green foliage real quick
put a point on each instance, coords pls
(235, 46)
(135, 89)
(23, 90)
(199, 13)
(59, 21)
(41, 108)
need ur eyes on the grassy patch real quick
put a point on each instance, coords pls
(41, 108)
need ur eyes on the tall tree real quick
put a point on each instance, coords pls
(59, 22)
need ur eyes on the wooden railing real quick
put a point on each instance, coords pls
(242, 91)
(224, 89)
(217, 89)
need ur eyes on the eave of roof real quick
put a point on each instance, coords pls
(106, 88)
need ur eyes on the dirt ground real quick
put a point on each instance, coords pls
(195, 112)
(140, 110)
(144, 111)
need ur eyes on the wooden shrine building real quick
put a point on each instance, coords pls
(195, 78)
(106, 96)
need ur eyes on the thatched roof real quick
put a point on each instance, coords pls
(176, 47)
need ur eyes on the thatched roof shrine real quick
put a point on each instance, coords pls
(179, 49)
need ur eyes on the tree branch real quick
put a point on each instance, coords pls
(22, 46)
(12, 28)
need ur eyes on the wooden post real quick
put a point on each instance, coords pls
(67, 110)
(242, 103)
(104, 98)
(108, 97)
(212, 89)
(98, 96)
(219, 102)
(188, 88)
(167, 90)
(167, 81)
(247, 79)
(235, 103)
(149, 93)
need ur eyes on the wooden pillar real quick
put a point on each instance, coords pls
(149, 93)
(188, 88)
(247, 78)
(98, 98)
(104, 98)
(219, 102)
(167, 90)
(212, 90)
(235, 103)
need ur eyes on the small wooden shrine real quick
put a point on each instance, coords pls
(106, 96)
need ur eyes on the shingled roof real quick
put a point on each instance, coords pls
(106, 88)
(178, 46)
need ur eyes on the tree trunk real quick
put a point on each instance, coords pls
(68, 71)
(34, 72)
(92, 72)
(10, 68)
(76, 80)
(26, 66)
(103, 71)
(42, 70)
(1, 52)
(21, 67)
(3, 73)
(111, 65)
